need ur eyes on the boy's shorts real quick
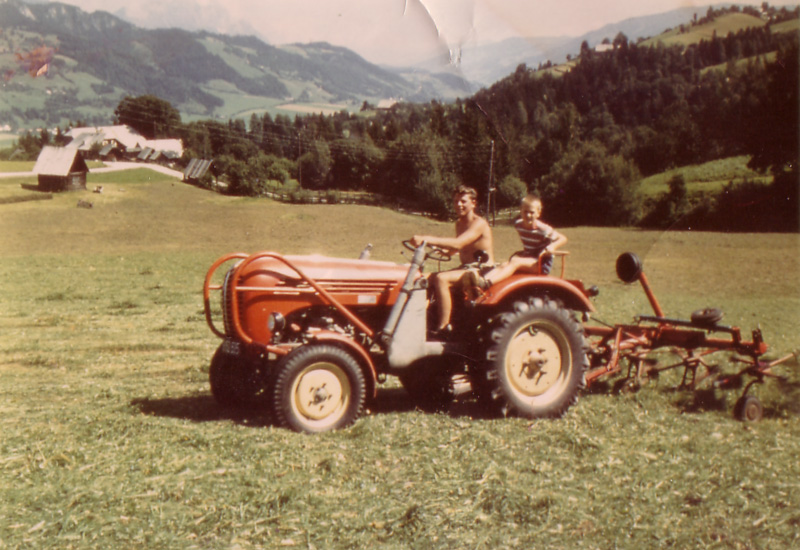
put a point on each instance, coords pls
(545, 263)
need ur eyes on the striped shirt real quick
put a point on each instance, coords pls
(535, 240)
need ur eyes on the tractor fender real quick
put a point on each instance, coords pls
(337, 339)
(571, 293)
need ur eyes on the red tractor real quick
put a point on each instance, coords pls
(312, 337)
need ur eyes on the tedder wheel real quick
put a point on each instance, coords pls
(749, 409)
(236, 382)
(709, 316)
(537, 361)
(318, 388)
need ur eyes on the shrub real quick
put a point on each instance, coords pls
(588, 186)
(510, 191)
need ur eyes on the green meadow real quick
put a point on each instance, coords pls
(708, 177)
(111, 439)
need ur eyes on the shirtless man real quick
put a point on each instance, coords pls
(473, 234)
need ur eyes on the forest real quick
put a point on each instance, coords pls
(582, 139)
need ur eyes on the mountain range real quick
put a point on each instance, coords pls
(61, 64)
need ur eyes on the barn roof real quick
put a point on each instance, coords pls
(196, 169)
(125, 135)
(173, 146)
(107, 149)
(84, 138)
(59, 161)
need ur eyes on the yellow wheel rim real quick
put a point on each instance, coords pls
(535, 359)
(320, 394)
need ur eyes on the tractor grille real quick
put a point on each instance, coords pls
(227, 303)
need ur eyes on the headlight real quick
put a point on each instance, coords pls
(276, 322)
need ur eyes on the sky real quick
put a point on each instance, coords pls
(389, 32)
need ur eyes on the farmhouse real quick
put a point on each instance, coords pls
(60, 169)
(170, 148)
(122, 138)
(122, 141)
(386, 104)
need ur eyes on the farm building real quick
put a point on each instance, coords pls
(60, 169)
(124, 138)
(196, 169)
(111, 152)
(126, 141)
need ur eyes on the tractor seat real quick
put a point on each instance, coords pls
(707, 317)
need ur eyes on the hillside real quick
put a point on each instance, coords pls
(492, 62)
(61, 64)
(686, 35)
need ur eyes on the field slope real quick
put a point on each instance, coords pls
(111, 438)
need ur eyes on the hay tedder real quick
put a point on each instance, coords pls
(691, 341)
(310, 338)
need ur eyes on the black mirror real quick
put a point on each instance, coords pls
(629, 267)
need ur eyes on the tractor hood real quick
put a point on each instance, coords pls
(325, 268)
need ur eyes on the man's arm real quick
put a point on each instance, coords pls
(454, 244)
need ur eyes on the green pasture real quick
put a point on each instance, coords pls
(7, 140)
(110, 437)
(710, 176)
(721, 26)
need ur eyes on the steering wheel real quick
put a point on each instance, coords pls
(432, 252)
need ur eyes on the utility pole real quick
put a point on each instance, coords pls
(491, 205)
(299, 154)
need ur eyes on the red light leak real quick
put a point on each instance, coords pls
(35, 62)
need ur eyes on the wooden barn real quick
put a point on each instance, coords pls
(196, 169)
(60, 169)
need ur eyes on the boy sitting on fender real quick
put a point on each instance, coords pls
(539, 241)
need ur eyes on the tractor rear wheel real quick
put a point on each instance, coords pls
(318, 388)
(536, 361)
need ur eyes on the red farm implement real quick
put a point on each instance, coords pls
(692, 342)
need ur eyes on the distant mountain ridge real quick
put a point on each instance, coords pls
(98, 59)
(93, 60)
(489, 63)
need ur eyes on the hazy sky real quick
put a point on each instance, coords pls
(393, 32)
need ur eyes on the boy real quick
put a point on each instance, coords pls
(473, 234)
(539, 241)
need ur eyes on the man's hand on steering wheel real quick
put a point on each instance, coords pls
(432, 252)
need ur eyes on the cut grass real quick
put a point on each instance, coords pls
(111, 438)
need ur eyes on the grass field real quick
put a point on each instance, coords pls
(721, 26)
(710, 176)
(110, 438)
(7, 139)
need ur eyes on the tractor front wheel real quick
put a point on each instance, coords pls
(318, 388)
(236, 381)
(537, 360)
